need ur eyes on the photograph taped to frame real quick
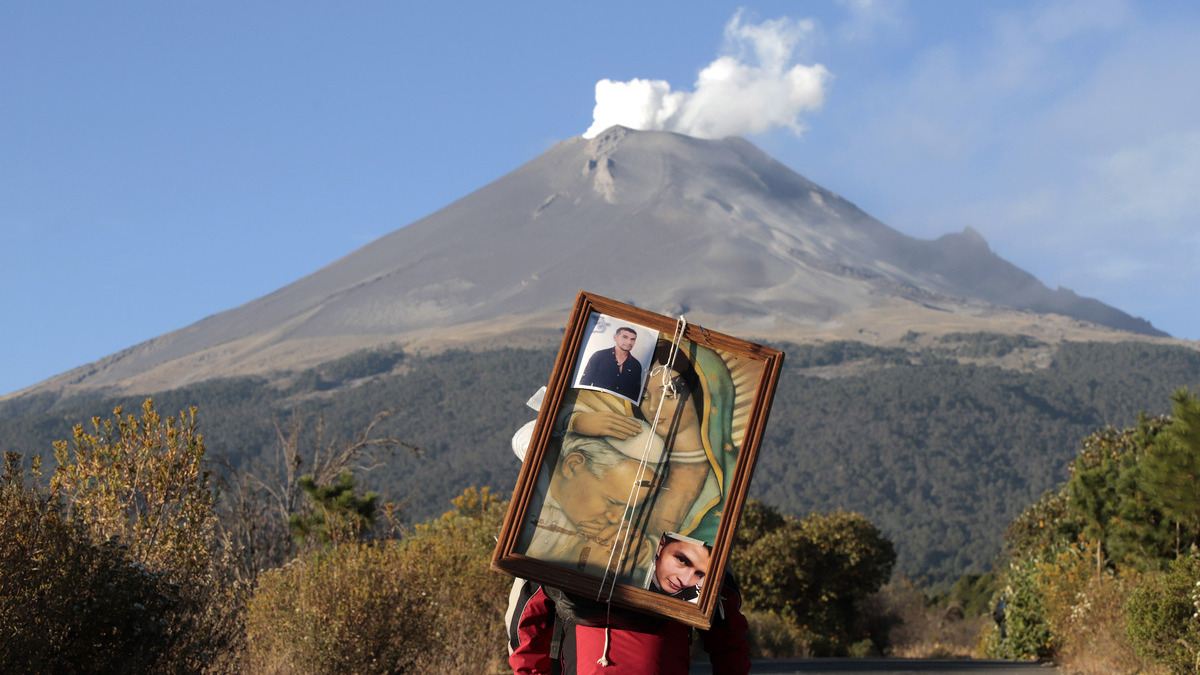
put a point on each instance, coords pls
(613, 355)
(616, 474)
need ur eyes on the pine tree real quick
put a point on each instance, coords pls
(336, 514)
(1171, 471)
(1106, 493)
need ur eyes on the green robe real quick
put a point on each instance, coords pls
(716, 434)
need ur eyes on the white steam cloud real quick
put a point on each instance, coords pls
(753, 87)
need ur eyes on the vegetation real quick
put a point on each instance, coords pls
(130, 560)
(139, 480)
(924, 625)
(1163, 616)
(426, 603)
(814, 573)
(939, 454)
(988, 345)
(337, 514)
(121, 563)
(1104, 572)
(117, 565)
(181, 565)
(293, 545)
(66, 600)
(1170, 474)
(355, 366)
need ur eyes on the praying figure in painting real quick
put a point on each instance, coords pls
(588, 496)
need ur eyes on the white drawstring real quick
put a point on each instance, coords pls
(603, 660)
(680, 329)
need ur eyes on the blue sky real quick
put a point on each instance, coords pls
(162, 162)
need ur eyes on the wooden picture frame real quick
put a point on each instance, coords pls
(691, 477)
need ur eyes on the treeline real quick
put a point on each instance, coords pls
(1103, 571)
(941, 454)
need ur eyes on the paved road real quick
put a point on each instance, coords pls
(889, 666)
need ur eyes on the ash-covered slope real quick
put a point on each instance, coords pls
(716, 229)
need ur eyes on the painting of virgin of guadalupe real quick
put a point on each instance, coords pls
(696, 403)
(617, 474)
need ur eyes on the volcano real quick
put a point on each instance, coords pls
(716, 230)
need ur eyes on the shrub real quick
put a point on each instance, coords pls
(775, 637)
(136, 484)
(140, 480)
(350, 608)
(973, 593)
(1043, 526)
(424, 604)
(1024, 631)
(68, 603)
(336, 513)
(815, 572)
(908, 625)
(1063, 580)
(1162, 615)
(1093, 639)
(451, 557)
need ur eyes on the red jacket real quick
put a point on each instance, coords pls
(638, 645)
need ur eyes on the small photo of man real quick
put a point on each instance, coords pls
(613, 357)
(680, 567)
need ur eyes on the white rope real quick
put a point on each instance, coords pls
(603, 660)
(680, 328)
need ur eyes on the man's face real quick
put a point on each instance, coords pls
(680, 565)
(596, 504)
(624, 340)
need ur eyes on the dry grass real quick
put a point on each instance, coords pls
(1086, 615)
(920, 631)
(933, 649)
(1094, 640)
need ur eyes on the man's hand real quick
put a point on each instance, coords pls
(605, 424)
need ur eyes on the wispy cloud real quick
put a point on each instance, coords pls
(1064, 131)
(866, 20)
(1154, 185)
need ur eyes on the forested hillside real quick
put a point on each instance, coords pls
(941, 453)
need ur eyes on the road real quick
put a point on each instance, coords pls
(889, 666)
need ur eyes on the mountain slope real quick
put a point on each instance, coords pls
(714, 229)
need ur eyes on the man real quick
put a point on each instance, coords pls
(615, 369)
(554, 633)
(588, 495)
(551, 632)
(680, 567)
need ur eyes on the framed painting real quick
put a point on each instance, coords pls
(639, 462)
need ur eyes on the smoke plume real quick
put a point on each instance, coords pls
(753, 87)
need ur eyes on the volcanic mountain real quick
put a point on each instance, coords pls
(716, 230)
